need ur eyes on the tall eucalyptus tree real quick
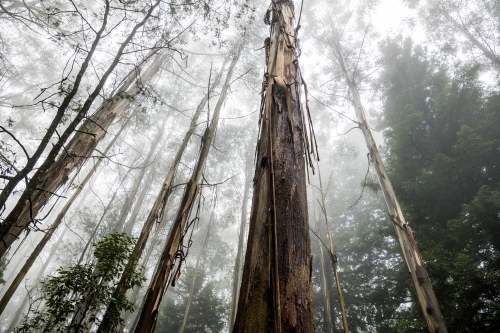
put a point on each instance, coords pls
(276, 291)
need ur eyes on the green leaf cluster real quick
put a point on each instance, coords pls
(89, 287)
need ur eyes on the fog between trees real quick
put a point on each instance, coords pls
(180, 165)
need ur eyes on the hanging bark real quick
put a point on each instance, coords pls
(238, 265)
(149, 313)
(49, 176)
(276, 290)
(162, 226)
(81, 309)
(411, 254)
(193, 282)
(158, 209)
(57, 222)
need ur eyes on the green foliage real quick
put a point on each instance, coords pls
(86, 287)
(443, 134)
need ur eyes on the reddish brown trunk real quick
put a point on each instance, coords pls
(276, 293)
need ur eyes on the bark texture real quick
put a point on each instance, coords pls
(276, 293)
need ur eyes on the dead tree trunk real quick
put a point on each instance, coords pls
(149, 313)
(238, 265)
(51, 175)
(158, 209)
(411, 254)
(276, 291)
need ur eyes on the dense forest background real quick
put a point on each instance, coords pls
(96, 98)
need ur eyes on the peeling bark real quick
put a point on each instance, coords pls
(276, 291)
(193, 282)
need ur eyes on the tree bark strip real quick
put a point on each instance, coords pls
(328, 322)
(149, 313)
(145, 261)
(411, 254)
(276, 290)
(193, 282)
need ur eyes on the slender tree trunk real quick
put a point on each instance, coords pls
(57, 222)
(276, 290)
(327, 312)
(149, 313)
(98, 224)
(411, 254)
(158, 209)
(238, 265)
(49, 177)
(19, 312)
(333, 256)
(142, 196)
